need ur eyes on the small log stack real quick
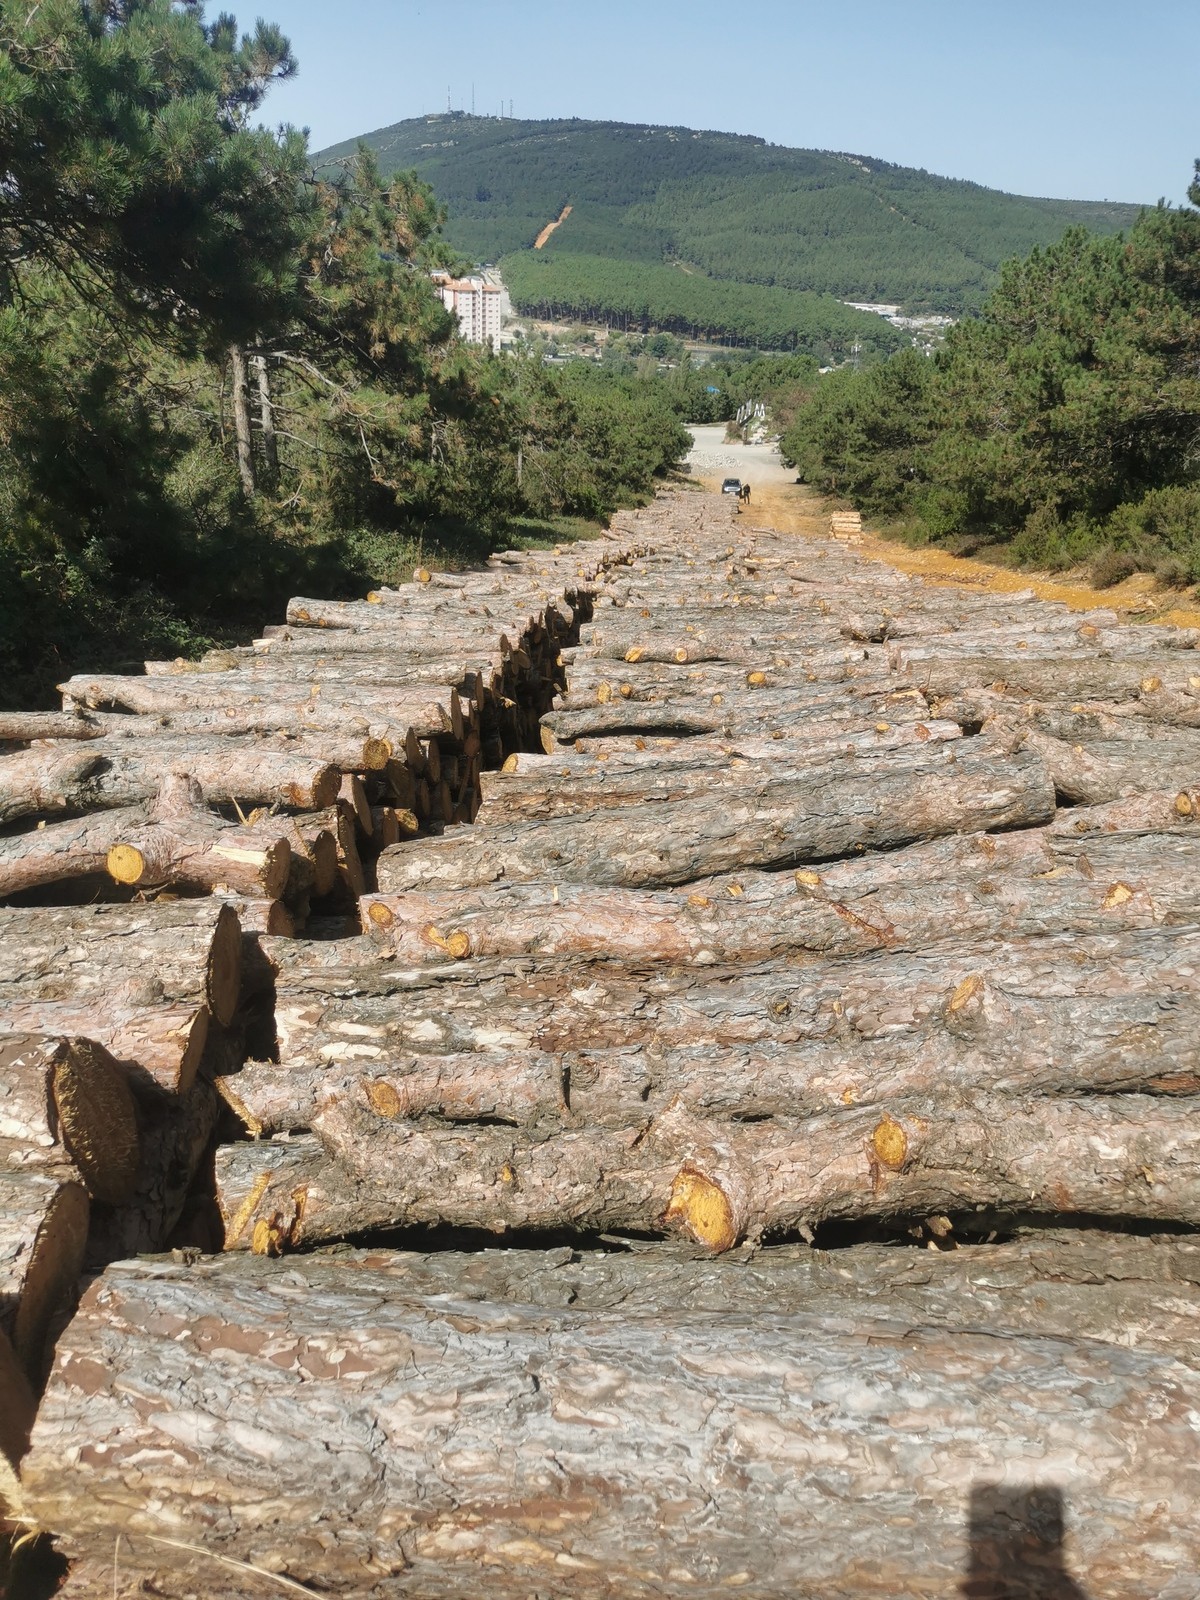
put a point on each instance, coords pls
(671, 899)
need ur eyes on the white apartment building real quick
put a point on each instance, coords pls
(475, 303)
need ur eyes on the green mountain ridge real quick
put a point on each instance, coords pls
(729, 207)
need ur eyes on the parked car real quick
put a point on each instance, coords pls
(732, 486)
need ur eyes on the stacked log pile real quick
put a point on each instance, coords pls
(713, 891)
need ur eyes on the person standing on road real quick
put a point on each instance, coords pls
(744, 494)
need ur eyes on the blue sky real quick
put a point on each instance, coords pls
(1088, 99)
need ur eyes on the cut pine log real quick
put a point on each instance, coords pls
(986, 1037)
(537, 1449)
(1090, 774)
(907, 900)
(225, 695)
(24, 727)
(1078, 678)
(105, 774)
(43, 1231)
(179, 951)
(348, 1004)
(160, 1045)
(69, 1097)
(766, 825)
(717, 1181)
(63, 851)
(182, 844)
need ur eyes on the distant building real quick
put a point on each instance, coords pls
(476, 304)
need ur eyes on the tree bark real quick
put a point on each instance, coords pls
(182, 951)
(241, 421)
(114, 774)
(181, 844)
(232, 698)
(266, 420)
(159, 1044)
(910, 900)
(63, 851)
(1110, 769)
(43, 1231)
(24, 727)
(1154, 679)
(68, 1098)
(556, 1450)
(719, 1182)
(769, 824)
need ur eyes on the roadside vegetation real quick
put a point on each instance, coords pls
(1059, 428)
(224, 379)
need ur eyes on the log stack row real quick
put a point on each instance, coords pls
(160, 824)
(796, 900)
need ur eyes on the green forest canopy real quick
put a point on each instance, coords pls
(1063, 422)
(729, 206)
(640, 295)
(223, 379)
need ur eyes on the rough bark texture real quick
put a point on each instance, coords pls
(767, 824)
(159, 1045)
(43, 1231)
(180, 951)
(104, 774)
(183, 845)
(601, 1013)
(876, 902)
(62, 851)
(471, 1445)
(70, 1098)
(719, 1181)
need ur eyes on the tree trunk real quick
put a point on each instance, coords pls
(43, 1231)
(70, 1097)
(768, 824)
(1026, 884)
(183, 951)
(182, 845)
(23, 727)
(523, 1450)
(1163, 679)
(1108, 769)
(63, 851)
(571, 785)
(266, 421)
(232, 697)
(241, 420)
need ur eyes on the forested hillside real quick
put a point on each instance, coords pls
(223, 381)
(727, 206)
(1063, 422)
(638, 294)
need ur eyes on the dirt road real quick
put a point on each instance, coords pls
(779, 502)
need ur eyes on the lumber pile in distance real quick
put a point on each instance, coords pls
(659, 908)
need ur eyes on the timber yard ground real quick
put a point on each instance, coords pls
(779, 502)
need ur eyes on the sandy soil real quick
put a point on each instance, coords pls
(779, 502)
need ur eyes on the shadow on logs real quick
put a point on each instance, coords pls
(1016, 1539)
